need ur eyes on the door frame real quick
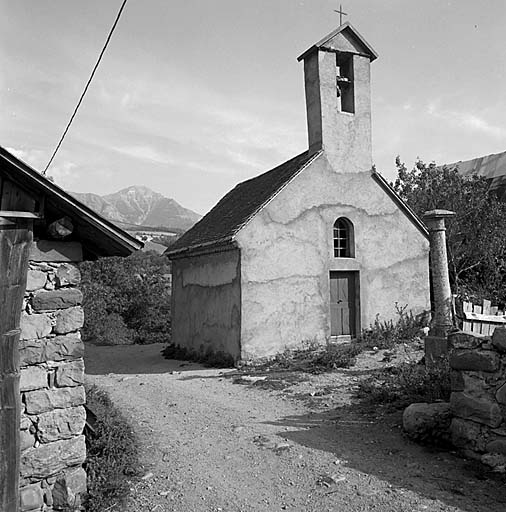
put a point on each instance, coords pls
(355, 302)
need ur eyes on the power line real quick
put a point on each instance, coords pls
(86, 87)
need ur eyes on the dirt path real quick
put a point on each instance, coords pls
(214, 445)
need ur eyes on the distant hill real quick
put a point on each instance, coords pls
(138, 206)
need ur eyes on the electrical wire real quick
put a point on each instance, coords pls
(86, 87)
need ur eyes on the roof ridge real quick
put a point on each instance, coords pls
(236, 208)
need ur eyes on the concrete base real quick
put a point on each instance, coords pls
(436, 348)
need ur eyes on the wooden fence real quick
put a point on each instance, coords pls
(482, 319)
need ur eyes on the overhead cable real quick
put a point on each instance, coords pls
(86, 87)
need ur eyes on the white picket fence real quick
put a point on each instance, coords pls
(482, 319)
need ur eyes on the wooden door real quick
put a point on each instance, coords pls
(343, 308)
(15, 240)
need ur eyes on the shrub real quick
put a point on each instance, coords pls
(112, 454)
(406, 384)
(126, 300)
(388, 333)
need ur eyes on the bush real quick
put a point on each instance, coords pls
(388, 333)
(112, 454)
(406, 384)
(476, 237)
(127, 300)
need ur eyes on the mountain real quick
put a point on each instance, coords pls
(140, 206)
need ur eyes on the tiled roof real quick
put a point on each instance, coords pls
(491, 167)
(238, 206)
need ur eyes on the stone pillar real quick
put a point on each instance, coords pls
(436, 344)
(51, 353)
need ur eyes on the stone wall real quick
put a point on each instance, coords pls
(53, 417)
(478, 399)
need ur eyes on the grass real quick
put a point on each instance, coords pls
(314, 357)
(112, 458)
(408, 383)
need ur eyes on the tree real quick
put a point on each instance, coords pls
(476, 238)
(127, 300)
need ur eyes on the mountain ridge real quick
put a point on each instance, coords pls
(139, 206)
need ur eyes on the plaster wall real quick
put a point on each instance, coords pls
(206, 295)
(345, 137)
(287, 255)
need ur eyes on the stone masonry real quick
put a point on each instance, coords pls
(51, 353)
(478, 398)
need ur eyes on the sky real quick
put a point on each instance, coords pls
(195, 96)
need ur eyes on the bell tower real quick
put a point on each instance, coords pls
(338, 98)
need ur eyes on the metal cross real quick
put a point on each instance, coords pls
(341, 13)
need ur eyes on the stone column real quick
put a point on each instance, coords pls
(436, 343)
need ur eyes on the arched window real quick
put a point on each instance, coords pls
(344, 241)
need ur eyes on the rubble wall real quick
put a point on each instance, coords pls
(478, 398)
(53, 416)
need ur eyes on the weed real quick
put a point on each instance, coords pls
(314, 358)
(406, 384)
(387, 334)
(112, 454)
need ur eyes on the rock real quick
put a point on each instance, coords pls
(475, 384)
(31, 497)
(35, 280)
(27, 440)
(495, 461)
(34, 326)
(31, 352)
(70, 374)
(68, 320)
(49, 459)
(33, 377)
(476, 360)
(67, 275)
(468, 434)
(499, 339)
(25, 422)
(497, 446)
(456, 380)
(481, 410)
(64, 347)
(67, 489)
(44, 400)
(61, 424)
(465, 340)
(500, 394)
(424, 421)
(57, 299)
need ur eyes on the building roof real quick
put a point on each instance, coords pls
(491, 167)
(346, 29)
(216, 230)
(234, 210)
(99, 236)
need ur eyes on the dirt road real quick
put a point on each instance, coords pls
(209, 444)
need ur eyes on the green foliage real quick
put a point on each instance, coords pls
(476, 237)
(112, 457)
(400, 386)
(127, 300)
(387, 334)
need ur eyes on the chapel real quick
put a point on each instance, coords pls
(314, 250)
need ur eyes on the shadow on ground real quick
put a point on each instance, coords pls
(132, 359)
(374, 444)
